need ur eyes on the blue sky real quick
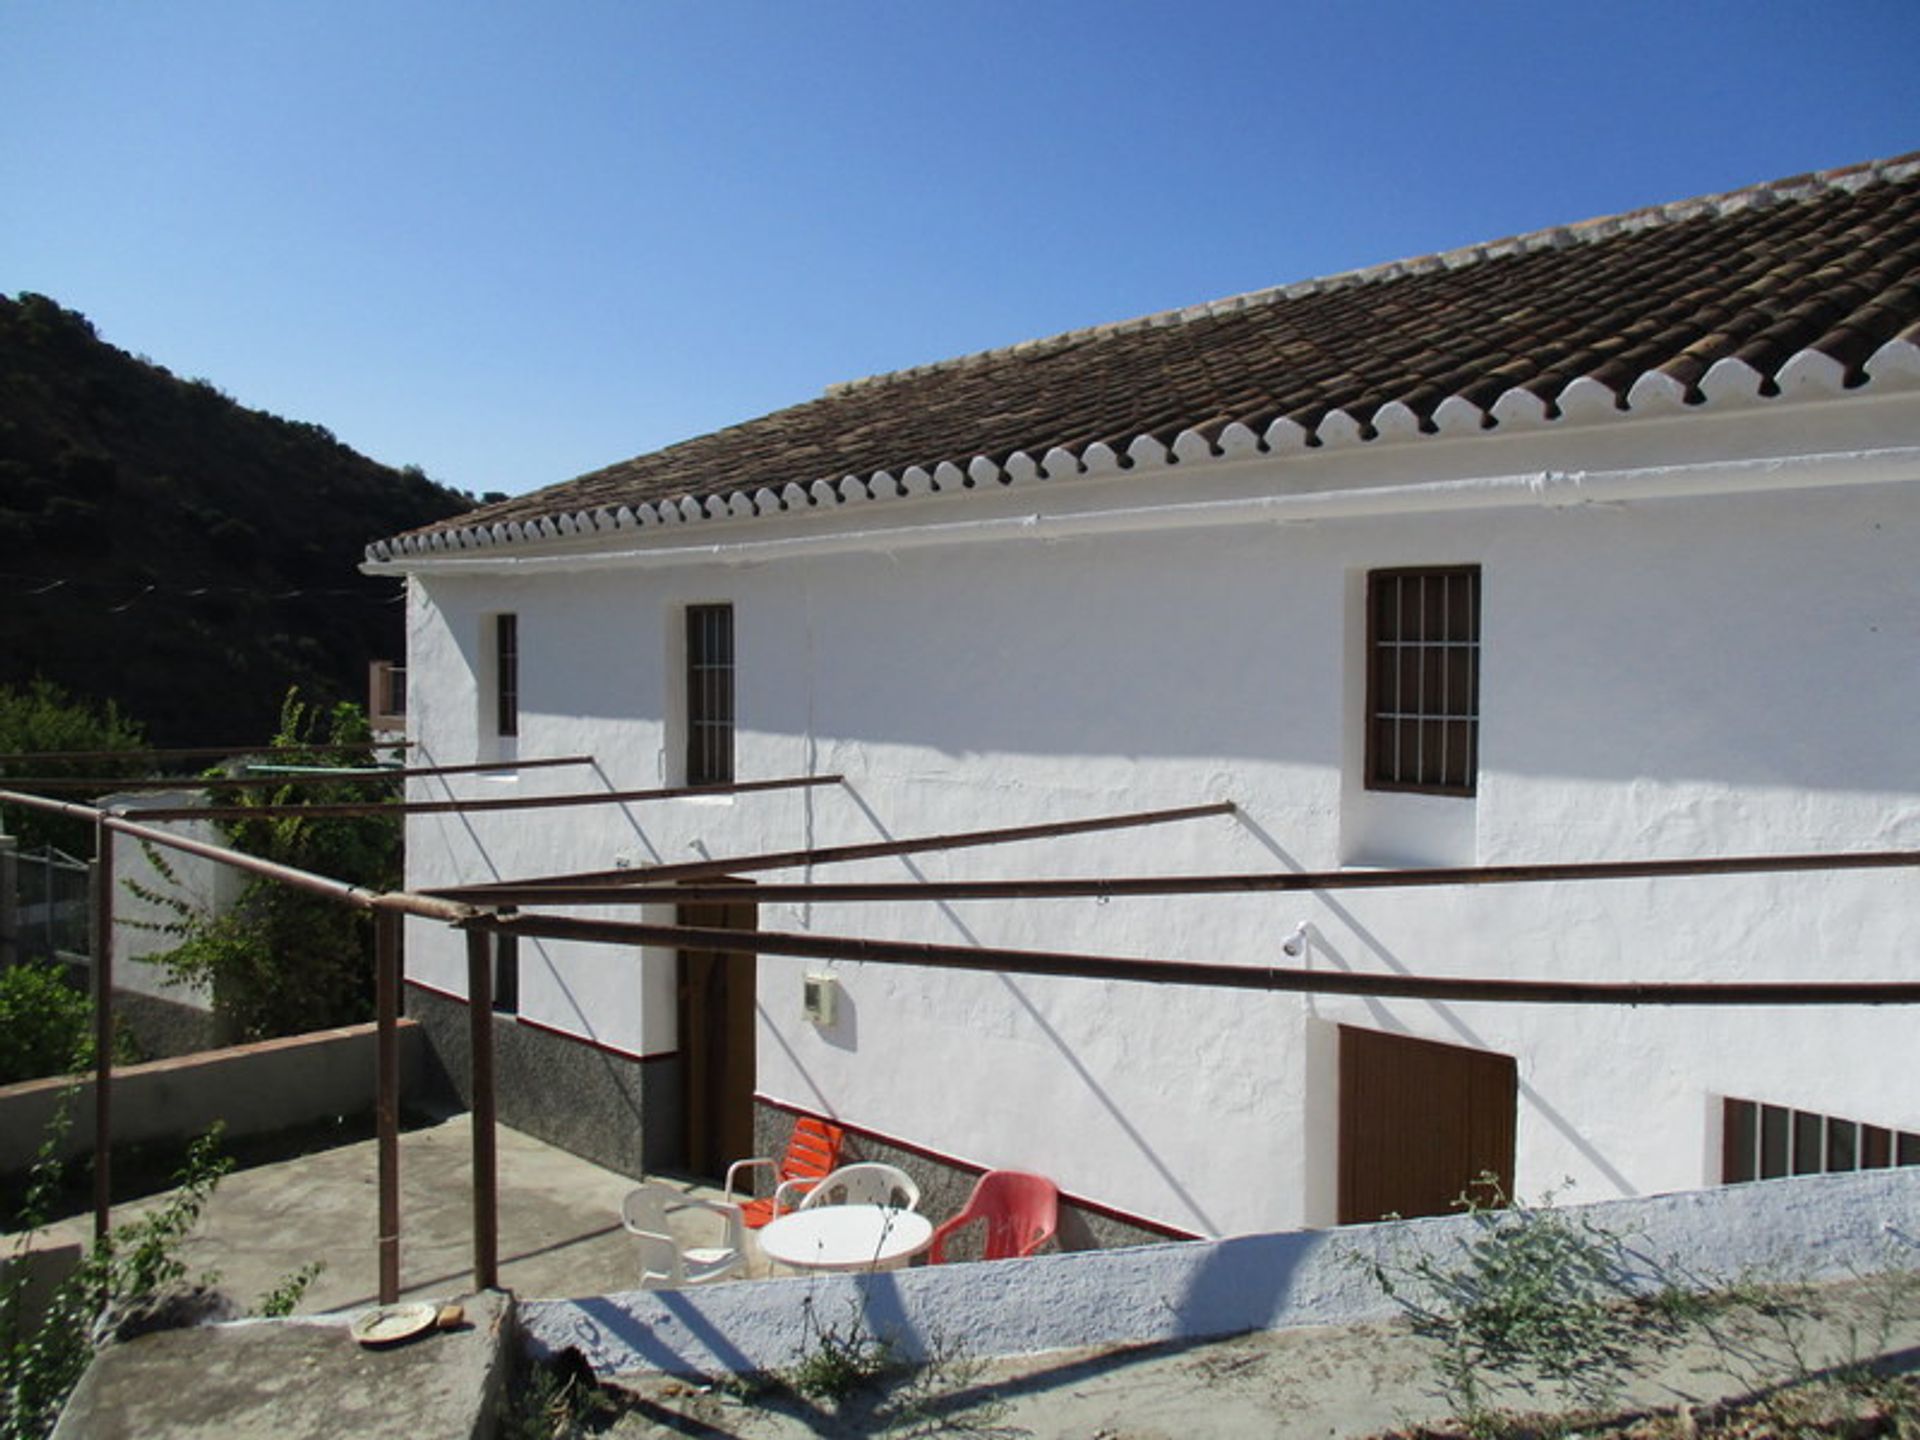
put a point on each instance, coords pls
(514, 242)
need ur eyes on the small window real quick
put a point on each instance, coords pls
(709, 694)
(1765, 1142)
(506, 674)
(506, 974)
(1423, 679)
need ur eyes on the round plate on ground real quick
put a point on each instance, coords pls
(390, 1324)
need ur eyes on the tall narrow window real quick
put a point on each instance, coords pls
(506, 674)
(506, 974)
(709, 694)
(1423, 679)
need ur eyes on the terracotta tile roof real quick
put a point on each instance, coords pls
(1802, 286)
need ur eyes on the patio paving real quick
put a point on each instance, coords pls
(560, 1233)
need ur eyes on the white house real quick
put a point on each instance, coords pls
(1594, 544)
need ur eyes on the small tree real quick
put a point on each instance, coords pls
(282, 961)
(41, 717)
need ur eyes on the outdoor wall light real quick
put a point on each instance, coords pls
(819, 999)
(1295, 945)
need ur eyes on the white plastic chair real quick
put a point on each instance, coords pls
(664, 1263)
(867, 1183)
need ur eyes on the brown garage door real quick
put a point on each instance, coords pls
(1420, 1122)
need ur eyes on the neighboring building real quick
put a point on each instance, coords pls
(1594, 544)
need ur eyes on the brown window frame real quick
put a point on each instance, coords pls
(710, 694)
(1392, 722)
(506, 674)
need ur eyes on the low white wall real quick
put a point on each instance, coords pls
(256, 1089)
(1806, 1228)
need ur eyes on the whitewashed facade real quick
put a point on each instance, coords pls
(1700, 636)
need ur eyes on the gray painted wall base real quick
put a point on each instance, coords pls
(1812, 1227)
(613, 1110)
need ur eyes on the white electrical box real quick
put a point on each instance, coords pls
(818, 997)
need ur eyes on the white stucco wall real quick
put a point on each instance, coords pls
(1714, 675)
(141, 923)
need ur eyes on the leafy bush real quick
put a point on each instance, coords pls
(1536, 1293)
(282, 961)
(48, 1024)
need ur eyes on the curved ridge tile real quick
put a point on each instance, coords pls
(794, 497)
(1021, 468)
(1519, 408)
(1190, 446)
(1657, 393)
(1586, 399)
(1457, 415)
(1731, 381)
(1144, 452)
(949, 476)
(740, 505)
(766, 501)
(824, 492)
(916, 482)
(1237, 441)
(1099, 459)
(1811, 373)
(1285, 435)
(983, 471)
(1896, 362)
(1060, 464)
(1337, 430)
(1396, 420)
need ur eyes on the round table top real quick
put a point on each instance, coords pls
(845, 1237)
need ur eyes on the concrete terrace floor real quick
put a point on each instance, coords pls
(560, 1232)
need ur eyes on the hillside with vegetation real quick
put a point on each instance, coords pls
(172, 551)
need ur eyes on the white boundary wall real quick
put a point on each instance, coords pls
(1814, 1227)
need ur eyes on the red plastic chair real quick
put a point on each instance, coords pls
(1021, 1212)
(813, 1151)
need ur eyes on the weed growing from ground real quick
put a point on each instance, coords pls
(42, 1359)
(1535, 1293)
(836, 1363)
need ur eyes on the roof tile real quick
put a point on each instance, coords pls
(1827, 264)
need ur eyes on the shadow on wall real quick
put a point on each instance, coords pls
(1385, 1020)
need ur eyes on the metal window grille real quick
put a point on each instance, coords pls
(1766, 1142)
(709, 694)
(506, 656)
(1423, 679)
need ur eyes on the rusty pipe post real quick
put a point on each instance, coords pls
(486, 1186)
(102, 1026)
(386, 930)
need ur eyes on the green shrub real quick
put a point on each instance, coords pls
(47, 1024)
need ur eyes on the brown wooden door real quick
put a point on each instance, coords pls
(1420, 1122)
(717, 1043)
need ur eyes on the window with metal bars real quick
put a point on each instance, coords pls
(1423, 679)
(1766, 1142)
(709, 694)
(506, 674)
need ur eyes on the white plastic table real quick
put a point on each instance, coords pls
(846, 1237)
